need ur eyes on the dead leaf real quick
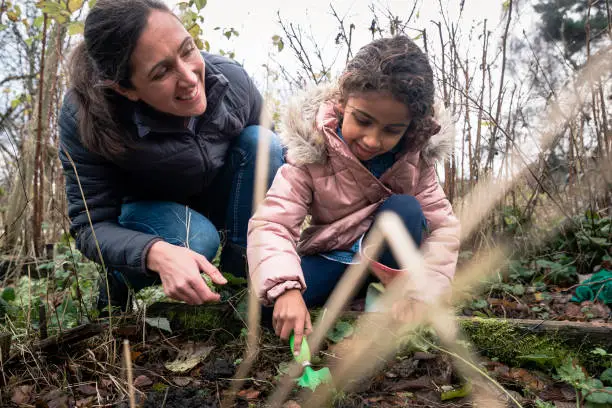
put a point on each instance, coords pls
(106, 383)
(135, 355)
(291, 404)
(189, 357)
(87, 389)
(142, 381)
(418, 384)
(249, 394)
(22, 394)
(526, 378)
(85, 402)
(59, 402)
(182, 381)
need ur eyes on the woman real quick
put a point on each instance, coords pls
(158, 144)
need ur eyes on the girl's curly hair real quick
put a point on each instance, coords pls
(398, 66)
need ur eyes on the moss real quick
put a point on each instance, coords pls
(498, 339)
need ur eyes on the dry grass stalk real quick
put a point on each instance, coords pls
(129, 374)
(254, 309)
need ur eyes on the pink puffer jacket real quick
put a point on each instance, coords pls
(323, 179)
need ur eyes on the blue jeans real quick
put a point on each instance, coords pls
(322, 274)
(181, 225)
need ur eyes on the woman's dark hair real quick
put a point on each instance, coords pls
(112, 30)
(398, 66)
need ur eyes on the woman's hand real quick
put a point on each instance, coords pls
(291, 314)
(179, 270)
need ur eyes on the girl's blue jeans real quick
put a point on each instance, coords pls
(233, 196)
(322, 274)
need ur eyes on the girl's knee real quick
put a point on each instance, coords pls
(403, 205)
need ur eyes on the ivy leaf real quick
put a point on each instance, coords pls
(605, 377)
(74, 5)
(161, 323)
(603, 396)
(340, 331)
(76, 27)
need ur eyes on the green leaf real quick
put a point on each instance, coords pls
(76, 27)
(463, 391)
(200, 4)
(8, 294)
(518, 290)
(38, 21)
(600, 397)
(341, 330)
(3, 27)
(599, 351)
(161, 323)
(91, 3)
(605, 377)
(74, 5)
(480, 304)
(571, 372)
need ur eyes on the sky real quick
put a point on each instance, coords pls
(257, 22)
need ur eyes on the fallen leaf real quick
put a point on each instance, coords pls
(59, 402)
(85, 402)
(189, 357)
(87, 389)
(291, 404)
(182, 381)
(22, 394)
(135, 355)
(419, 383)
(249, 394)
(142, 381)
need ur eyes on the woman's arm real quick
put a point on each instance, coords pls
(93, 189)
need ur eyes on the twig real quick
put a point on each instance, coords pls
(130, 376)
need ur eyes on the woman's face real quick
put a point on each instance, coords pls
(167, 68)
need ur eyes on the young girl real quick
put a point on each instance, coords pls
(366, 146)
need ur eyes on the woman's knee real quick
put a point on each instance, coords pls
(248, 141)
(174, 223)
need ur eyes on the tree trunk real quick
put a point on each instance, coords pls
(19, 211)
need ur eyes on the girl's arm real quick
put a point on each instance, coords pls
(274, 229)
(441, 247)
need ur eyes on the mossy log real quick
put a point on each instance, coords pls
(572, 333)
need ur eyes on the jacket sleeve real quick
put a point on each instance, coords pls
(274, 230)
(256, 103)
(122, 249)
(440, 249)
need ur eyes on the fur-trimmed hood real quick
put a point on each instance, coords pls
(306, 144)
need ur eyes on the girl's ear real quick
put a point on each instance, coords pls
(339, 108)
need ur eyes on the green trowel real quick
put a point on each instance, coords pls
(310, 378)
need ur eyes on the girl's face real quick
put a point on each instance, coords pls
(373, 124)
(167, 68)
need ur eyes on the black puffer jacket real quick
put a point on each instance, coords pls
(169, 163)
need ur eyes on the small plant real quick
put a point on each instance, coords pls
(590, 392)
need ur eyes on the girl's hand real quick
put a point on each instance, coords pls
(291, 314)
(179, 270)
(408, 311)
